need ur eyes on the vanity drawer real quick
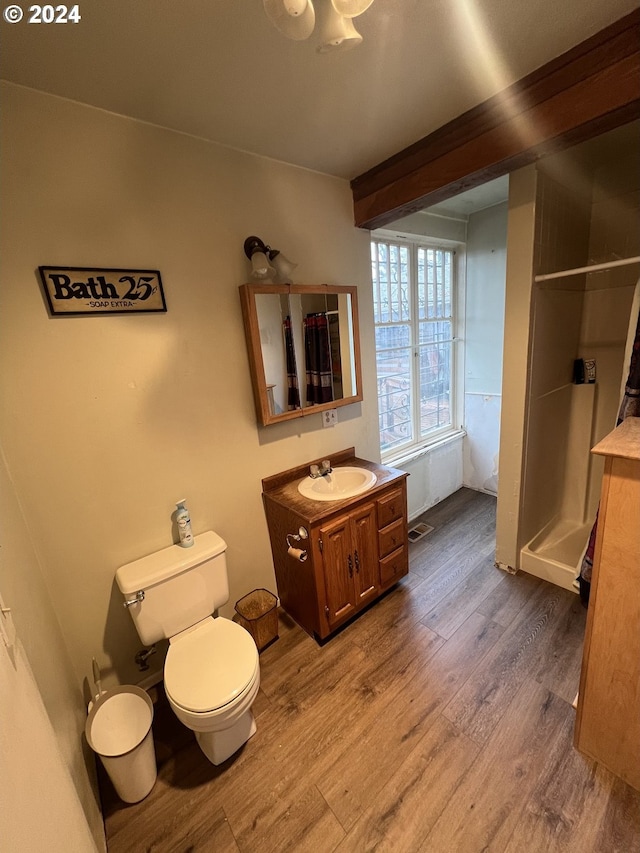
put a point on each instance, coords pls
(393, 567)
(391, 537)
(390, 507)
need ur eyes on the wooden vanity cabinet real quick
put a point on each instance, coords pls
(357, 548)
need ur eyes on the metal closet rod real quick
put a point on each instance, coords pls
(591, 268)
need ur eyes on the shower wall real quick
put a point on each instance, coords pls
(578, 221)
(561, 242)
(615, 233)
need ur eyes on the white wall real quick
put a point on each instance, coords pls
(107, 421)
(520, 255)
(484, 333)
(48, 771)
(434, 475)
(431, 225)
(270, 317)
(39, 805)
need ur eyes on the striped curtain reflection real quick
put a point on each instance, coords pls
(293, 393)
(317, 359)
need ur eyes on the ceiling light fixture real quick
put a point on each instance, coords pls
(296, 19)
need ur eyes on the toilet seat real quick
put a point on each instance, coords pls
(211, 666)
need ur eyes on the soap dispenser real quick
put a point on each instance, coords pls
(184, 525)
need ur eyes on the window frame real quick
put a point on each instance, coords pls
(419, 445)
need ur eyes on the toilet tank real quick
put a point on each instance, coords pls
(181, 586)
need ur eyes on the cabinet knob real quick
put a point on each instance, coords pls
(350, 564)
(357, 561)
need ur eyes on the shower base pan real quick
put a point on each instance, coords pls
(555, 554)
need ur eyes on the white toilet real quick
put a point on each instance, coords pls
(212, 670)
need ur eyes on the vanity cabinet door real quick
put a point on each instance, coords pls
(350, 562)
(365, 557)
(338, 565)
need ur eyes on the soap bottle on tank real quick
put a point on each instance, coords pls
(184, 525)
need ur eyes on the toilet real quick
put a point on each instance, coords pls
(212, 670)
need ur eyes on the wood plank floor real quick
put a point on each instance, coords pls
(439, 721)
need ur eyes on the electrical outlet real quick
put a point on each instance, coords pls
(330, 418)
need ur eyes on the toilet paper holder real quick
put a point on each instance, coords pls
(299, 554)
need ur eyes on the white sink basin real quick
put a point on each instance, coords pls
(341, 483)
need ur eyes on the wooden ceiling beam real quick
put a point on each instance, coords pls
(591, 89)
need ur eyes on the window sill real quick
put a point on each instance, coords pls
(413, 453)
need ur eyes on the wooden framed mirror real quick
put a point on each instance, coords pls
(303, 344)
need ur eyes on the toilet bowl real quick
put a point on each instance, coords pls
(211, 678)
(212, 669)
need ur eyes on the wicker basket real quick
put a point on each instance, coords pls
(258, 613)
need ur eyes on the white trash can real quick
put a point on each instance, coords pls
(118, 729)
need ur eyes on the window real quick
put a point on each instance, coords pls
(414, 297)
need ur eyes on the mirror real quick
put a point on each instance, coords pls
(304, 348)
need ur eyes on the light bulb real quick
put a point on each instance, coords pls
(295, 7)
(284, 267)
(260, 266)
(351, 8)
(337, 33)
(294, 18)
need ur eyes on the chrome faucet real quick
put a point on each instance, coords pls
(321, 471)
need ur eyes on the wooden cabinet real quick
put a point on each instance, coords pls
(349, 563)
(608, 717)
(356, 550)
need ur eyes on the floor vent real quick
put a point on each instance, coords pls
(418, 531)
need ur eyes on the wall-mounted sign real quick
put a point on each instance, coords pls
(79, 290)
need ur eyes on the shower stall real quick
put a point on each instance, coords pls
(586, 214)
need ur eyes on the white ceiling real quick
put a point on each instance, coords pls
(471, 201)
(218, 69)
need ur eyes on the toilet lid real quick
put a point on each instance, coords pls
(210, 666)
